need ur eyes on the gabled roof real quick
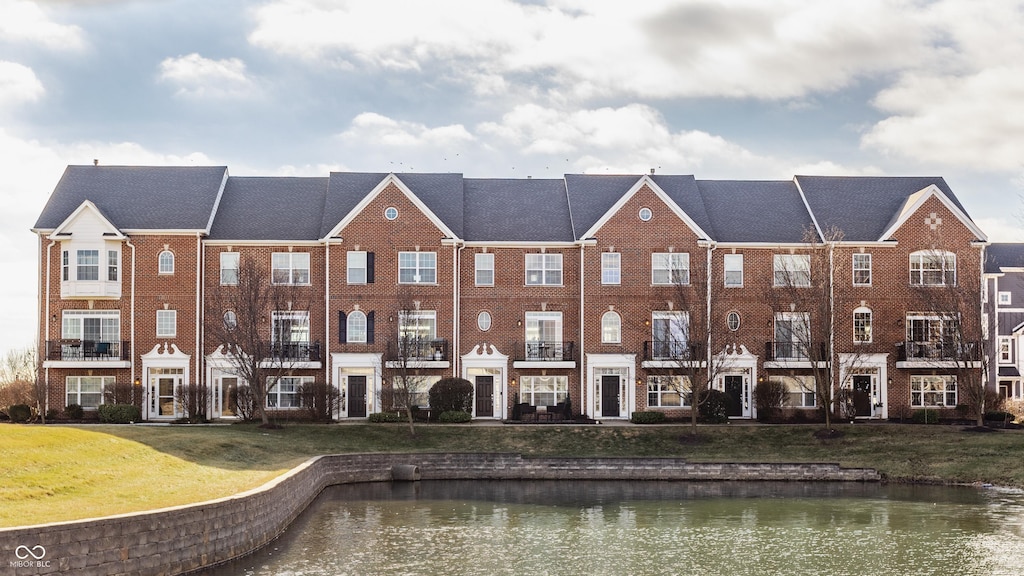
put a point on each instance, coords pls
(756, 211)
(270, 208)
(865, 208)
(439, 196)
(590, 197)
(999, 255)
(138, 197)
(514, 210)
(87, 208)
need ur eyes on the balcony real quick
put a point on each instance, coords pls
(937, 352)
(545, 354)
(294, 352)
(419, 353)
(78, 350)
(673, 350)
(790, 351)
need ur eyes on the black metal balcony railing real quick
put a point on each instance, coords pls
(419, 350)
(795, 351)
(939, 350)
(673, 350)
(546, 351)
(73, 349)
(295, 351)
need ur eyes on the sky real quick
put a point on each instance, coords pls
(725, 89)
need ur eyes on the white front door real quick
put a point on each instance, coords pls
(224, 393)
(162, 394)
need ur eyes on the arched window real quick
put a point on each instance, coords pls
(167, 262)
(230, 320)
(862, 325)
(356, 327)
(611, 328)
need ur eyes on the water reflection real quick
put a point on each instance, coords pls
(648, 528)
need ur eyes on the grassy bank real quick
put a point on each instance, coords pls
(56, 473)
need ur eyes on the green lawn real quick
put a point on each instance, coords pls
(55, 473)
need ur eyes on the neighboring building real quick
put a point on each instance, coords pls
(605, 289)
(1003, 301)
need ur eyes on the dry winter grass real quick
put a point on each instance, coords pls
(55, 473)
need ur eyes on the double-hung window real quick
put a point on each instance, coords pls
(484, 268)
(933, 268)
(611, 268)
(286, 392)
(733, 265)
(668, 391)
(1005, 350)
(166, 323)
(113, 265)
(290, 268)
(543, 390)
(611, 328)
(862, 325)
(86, 391)
(417, 267)
(933, 390)
(670, 268)
(544, 269)
(88, 265)
(792, 270)
(862, 269)
(229, 268)
(799, 390)
(355, 263)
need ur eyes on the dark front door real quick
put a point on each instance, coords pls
(357, 396)
(610, 397)
(734, 390)
(484, 396)
(862, 395)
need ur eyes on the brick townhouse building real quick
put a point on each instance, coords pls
(608, 290)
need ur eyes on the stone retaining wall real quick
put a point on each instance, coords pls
(187, 538)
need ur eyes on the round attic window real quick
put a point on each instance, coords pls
(391, 212)
(646, 214)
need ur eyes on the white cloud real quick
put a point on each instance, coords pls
(27, 22)
(196, 76)
(375, 130)
(742, 48)
(963, 107)
(18, 84)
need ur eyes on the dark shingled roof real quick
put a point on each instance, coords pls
(517, 210)
(863, 207)
(756, 211)
(1003, 255)
(590, 197)
(344, 191)
(138, 197)
(684, 192)
(270, 208)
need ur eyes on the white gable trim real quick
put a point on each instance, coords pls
(917, 199)
(646, 180)
(62, 232)
(390, 179)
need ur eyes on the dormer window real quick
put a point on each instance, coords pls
(91, 271)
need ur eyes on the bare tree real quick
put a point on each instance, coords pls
(20, 382)
(947, 332)
(194, 400)
(804, 301)
(264, 330)
(416, 344)
(685, 337)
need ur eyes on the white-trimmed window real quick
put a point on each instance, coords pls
(930, 336)
(799, 390)
(93, 325)
(543, 335)
(483, 321)
(166, 323)
(669, 335)
(484, 268)
(792, 269)
(165, 262)
(544, 269)
(668, 391)
(86, 391)
(417, 331)
(355, 266)
(862, 325)
(230, 320)
(862, 269)
(933, 268)
(1004, 298)
(1005, 349)
(355, 327)
(543, 390)
(611, 328)
(287, 391)
(732, 321)
(670, 268)
(611, 268)
(113, 265)
(733, 264)
(229, 268)
(87, 265)
(933, 390)
(418, 391)
(417, 267)
(792, 335)
(290, 327)
(290, 268)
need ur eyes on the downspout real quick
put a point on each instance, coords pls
(145, 415)
(707, 316)
(46, 321)
(199, 310)
(831, 320)
(327, 310)
(582, 331)
(456, 308)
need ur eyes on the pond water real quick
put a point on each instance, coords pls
(589, 528)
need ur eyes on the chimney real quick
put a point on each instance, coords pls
(95, 161)
(652, 171)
